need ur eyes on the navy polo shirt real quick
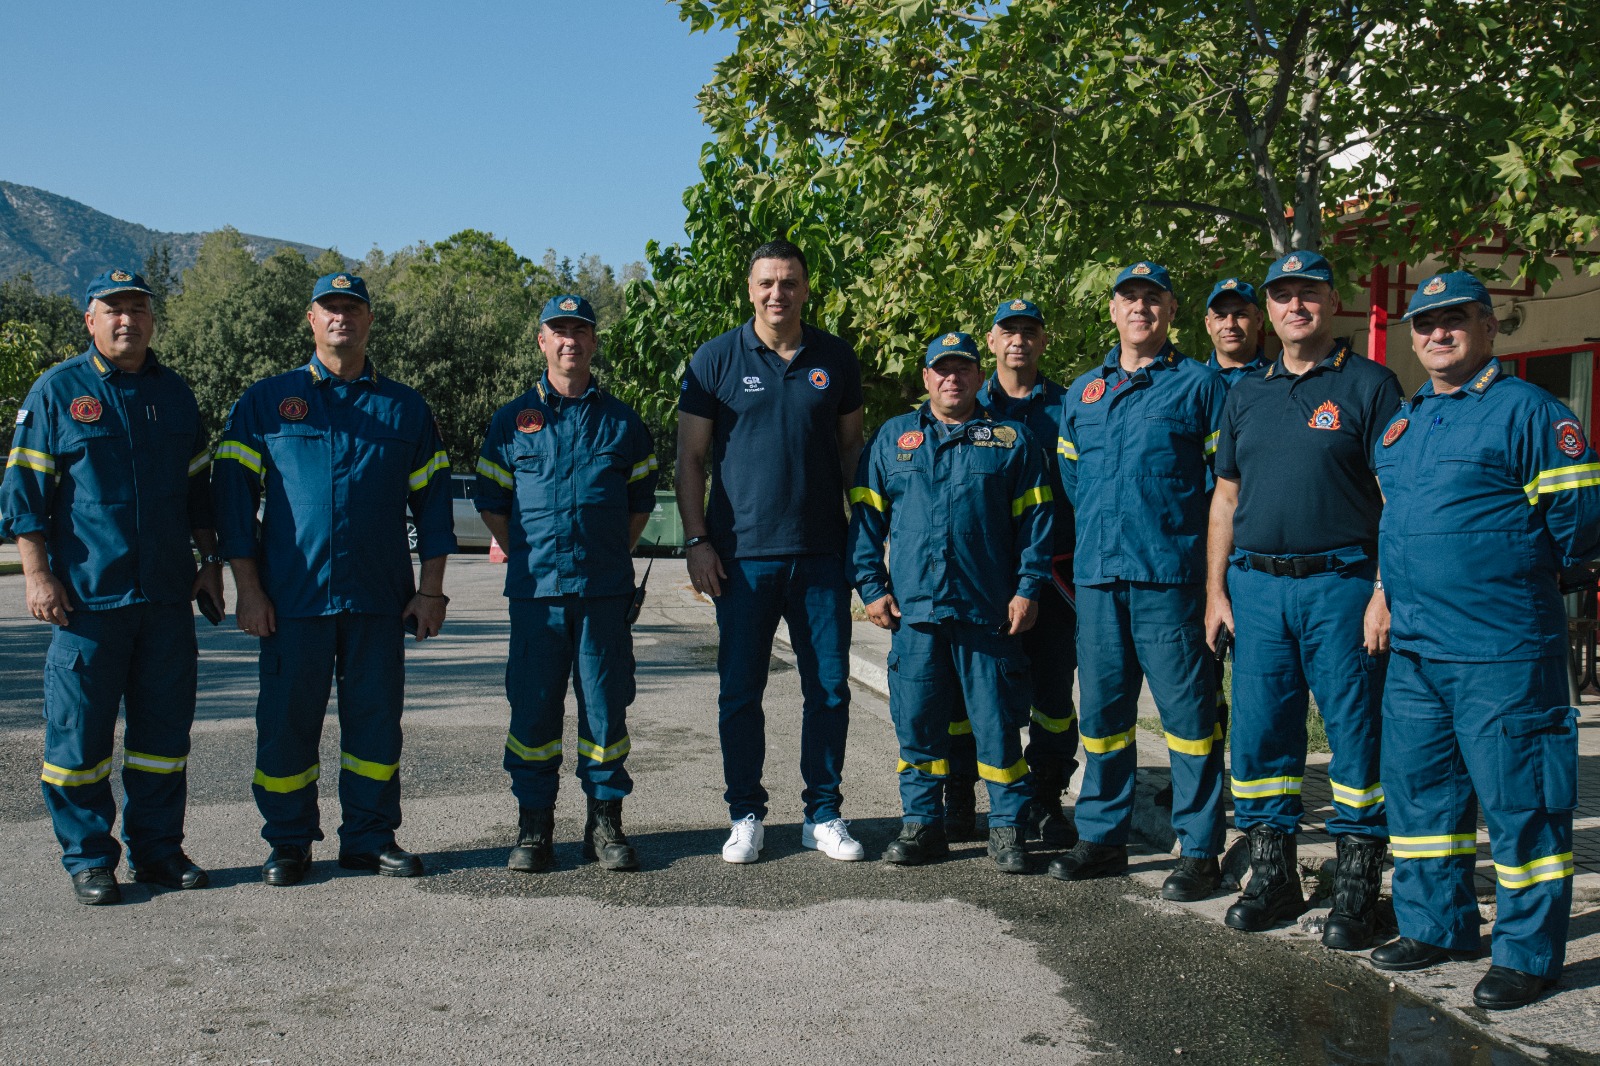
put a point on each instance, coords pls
(1232, 374)
(1301, 450)
(776, 486)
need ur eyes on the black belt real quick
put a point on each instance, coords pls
(1293, 565)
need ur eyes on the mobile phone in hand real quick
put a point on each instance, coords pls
(208, 607)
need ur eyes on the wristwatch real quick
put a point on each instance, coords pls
(207, 560)
(692, 541)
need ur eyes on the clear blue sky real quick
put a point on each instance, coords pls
(564, 125)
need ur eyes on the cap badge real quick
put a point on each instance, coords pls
(1231, 283)
(1005, 434)
(340, 282)
(950, 340)
(529, 421)
(86, 409)
(1392, 434)
(293, 408)
(1569, 438)
(819, 378)
(910, 442)
(1140, 269)
(121, 275)
(1434, 287)
(1325, 417)
(1291, 264)
(1019, 305)
(1094, 390)
(569, 304)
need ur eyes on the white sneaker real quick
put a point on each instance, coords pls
(744, 840)
(833, 839)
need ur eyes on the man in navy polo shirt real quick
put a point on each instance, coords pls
(325, 579)
(1018, 392)
(1233, 319)
(105, 484)
(774, 408)
(1292, 563)
(1137, 435)
(566, 481)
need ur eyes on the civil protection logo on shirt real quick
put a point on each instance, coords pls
(910, 442)
(293, 408)
(819, 379)
(86, 409)
(1569, 438)
(529, 421)
(1392, 434)
(1325, 417)
(1094, 390)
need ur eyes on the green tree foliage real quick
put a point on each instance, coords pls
(23, 354)
(57, 320)
(975, 149)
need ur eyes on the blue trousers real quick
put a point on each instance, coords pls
(810, 593)
(142, 656)
(1052, 653)
(588, 640)
(1504, 731)
(1128, 632)
(933, 668)
(1291, 633)
(299, 663)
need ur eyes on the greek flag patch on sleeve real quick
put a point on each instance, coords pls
(22, 417)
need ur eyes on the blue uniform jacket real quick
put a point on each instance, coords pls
(1135, 457)
(111, 468)
(339, 463)
(569, 472)
(967, 518)
(1491, 491)
(1040, 411)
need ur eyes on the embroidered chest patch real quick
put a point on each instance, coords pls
(1569, 438)
(1392, 434)
(1325, 417)
(910, 442)
(293, 408)
(529, 420)
(86, 409)
(1094, 390)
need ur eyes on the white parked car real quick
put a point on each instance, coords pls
(470, 530)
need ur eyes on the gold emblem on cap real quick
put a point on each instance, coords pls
(1434, 287)
(950, 340)
(569, 304)
(1140, 268)
(340, 282)
(1231, 283)
(121, 275)
(1291, 263)
(1019, 305)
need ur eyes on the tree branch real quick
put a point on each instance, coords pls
(1257, 221)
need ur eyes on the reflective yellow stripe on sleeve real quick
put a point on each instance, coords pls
(1560, 479)
(588, 749)
(862, 494)
(29, 459)
(60, 775)
(1054, 725)
(1370, 796)
(292, 783)
(1194, 747)
(539, 754)
(1066, 449)
(936, 767)
(1549, 868)
(1211, 442)
(421, 476)
(155, 764)
(1038, 494)
(1262, 787)
(643, 468)
(199, 463)
(377, 771)
(1434, 847)
(495, 473)
(248, 458)
(1107, 745)
(1004, 775)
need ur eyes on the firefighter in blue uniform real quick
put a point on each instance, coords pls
(105, 484)
(1290, 574)
(963, 504)
(566, 482)
(1233, 319)
(1018, 392)
(1136, 440)
(772, 411)
(339, 452)
(1492, 492)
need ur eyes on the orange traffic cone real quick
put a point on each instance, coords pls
(497, 554)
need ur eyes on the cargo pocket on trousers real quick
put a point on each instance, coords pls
(1016, 679)
(64, 685)
(1538, 761)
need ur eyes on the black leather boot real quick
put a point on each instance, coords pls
(603, 839)
(535, 850)
(960, 809)
(1357, 878)
(1273, 894)
(1008, 849)
(1046, 820)
(917, 844)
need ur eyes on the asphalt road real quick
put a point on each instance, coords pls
(796, 959)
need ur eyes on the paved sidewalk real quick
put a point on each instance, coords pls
(1570, 1016)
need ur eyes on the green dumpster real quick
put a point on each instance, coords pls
(664, 532)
